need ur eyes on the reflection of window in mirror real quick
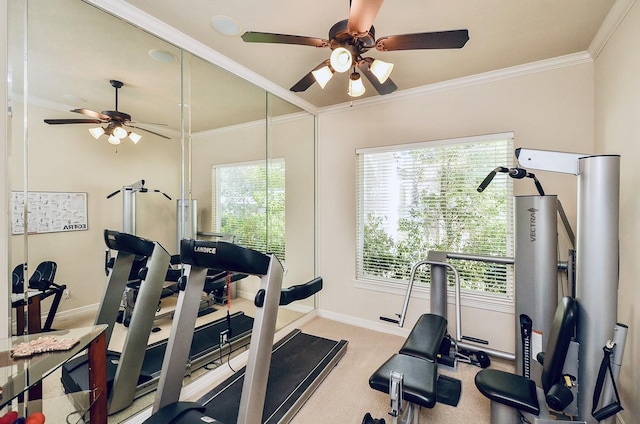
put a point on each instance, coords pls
(242, 204)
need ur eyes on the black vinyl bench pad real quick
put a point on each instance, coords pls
(420, 378)
(508, 389)
(416, 362)
(426, 337)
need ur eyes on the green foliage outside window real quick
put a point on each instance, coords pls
(413, 201)
(250, 204)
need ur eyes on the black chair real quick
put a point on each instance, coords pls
(42, 281)
(512, 395)
(17, 279)
(43, 276)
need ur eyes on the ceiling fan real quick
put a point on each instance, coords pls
(350, 39)
(116, 122)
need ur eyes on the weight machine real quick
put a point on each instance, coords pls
(595, 290)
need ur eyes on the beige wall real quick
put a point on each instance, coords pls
(617, 131)
(546, 110)
(65, 158)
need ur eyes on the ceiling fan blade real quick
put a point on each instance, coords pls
(72, 121)
(267, 37)
(308, 80)
(425, 40)
(386, 87)
(149, 131)
(92, 114)
(145, 123)
(361, 16)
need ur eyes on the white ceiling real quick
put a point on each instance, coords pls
(503, 33)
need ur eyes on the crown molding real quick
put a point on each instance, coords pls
(615, 16)
(478, 79)
(260, 123)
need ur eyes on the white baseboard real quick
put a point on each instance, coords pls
(383, 327)
(76, 311)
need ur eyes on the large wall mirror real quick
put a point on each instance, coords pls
(206, 135)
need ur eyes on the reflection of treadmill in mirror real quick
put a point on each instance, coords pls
(277, 380)
(136, 357)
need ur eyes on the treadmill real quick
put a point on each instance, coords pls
(137, 358)
(277, 380)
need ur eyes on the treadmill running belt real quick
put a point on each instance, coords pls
(206, 341)
(297, 362)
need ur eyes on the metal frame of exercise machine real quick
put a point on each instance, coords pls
(130, 360)
(597, 260)
(266, 363)
(136, 370)
(596, 268)
(239, 259)
(129, 203)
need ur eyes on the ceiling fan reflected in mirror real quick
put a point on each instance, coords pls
(118, 123)
(350, 39)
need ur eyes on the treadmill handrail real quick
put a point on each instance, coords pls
(223, 255)
(300, 291)
(128, 243)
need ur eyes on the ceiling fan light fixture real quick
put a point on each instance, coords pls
(323, 75)
(119, 132)
(341, 59)
(96, 132)
(382, 70)
(356, 87)
(135, 137)
(114, 140)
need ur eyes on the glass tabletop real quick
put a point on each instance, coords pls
(19, 374)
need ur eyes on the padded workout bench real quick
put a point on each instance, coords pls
(411, 375)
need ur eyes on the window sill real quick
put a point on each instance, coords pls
(467, 299)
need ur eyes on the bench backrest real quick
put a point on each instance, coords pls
(562, 332)
(43, 276)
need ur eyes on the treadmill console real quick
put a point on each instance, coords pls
(128, 243)
(223, 255)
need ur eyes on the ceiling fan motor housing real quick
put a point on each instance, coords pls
(117, 116)
(339, 37)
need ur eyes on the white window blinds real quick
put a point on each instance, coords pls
(248, 201)
(415, 198)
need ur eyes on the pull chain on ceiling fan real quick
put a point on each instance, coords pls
(116, 122)
(350, 39)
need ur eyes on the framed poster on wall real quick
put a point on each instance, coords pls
(48, 212)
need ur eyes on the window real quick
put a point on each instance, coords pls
(245, 208)
(412, 199)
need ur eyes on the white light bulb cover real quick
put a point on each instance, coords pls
(356, 87)
(134, 137)
(114, 140)
(323, 75)
(381, 70)
(341, 59)
(119, 132)
(96, 132)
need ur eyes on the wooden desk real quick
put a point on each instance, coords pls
(20, 375)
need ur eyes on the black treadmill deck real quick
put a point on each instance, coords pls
(206, 342)
(298, 365)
